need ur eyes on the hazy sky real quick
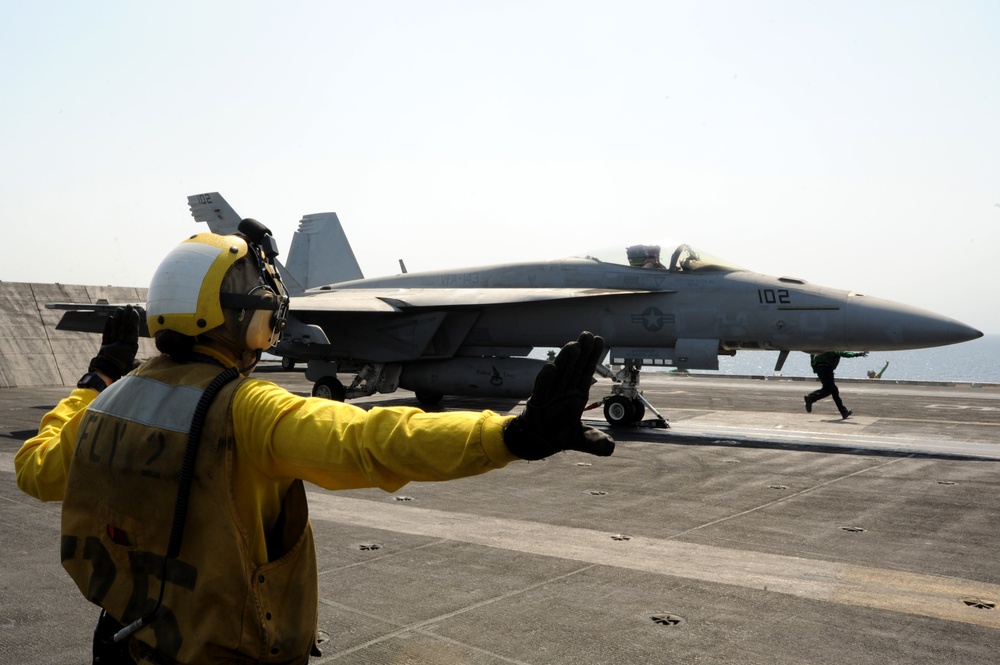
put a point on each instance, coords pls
(854, 144)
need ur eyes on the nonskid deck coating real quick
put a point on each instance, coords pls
(772, 535)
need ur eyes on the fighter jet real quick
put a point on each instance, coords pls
(469, 331)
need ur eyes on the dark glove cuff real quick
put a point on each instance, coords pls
(110, 367)
(524, 443)
(92, 381)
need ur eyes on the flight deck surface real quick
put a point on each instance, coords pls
(747, 532)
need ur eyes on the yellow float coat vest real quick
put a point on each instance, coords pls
(218, 605)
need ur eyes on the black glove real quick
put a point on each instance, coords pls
(119, 344)
(551, 419)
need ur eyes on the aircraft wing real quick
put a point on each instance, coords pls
(90, 317)
(401, 300)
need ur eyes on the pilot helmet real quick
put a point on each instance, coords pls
(639, 255)
(220, 287)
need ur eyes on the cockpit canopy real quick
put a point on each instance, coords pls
(668, 255)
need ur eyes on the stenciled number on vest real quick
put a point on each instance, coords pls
(142, 565)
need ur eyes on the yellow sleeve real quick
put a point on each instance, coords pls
(341, 446)
(43, 461)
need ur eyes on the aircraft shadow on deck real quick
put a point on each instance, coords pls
(666, 436)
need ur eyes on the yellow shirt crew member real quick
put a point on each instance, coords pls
(184, 512)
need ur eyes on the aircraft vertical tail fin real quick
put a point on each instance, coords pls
(223, 219)
(320, 252)
(213, 209)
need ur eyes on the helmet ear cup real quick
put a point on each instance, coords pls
(259, 331)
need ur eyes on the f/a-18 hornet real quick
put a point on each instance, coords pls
(468, 331)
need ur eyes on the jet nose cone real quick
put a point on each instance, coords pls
(964, 333)
(883, 325)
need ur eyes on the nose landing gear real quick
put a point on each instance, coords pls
(625, 406)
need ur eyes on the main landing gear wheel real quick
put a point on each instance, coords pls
(329, 387)
(619, 411)
(287, 363)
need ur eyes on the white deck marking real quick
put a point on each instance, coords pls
(864, 586)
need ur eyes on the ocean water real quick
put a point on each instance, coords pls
(977, 361)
